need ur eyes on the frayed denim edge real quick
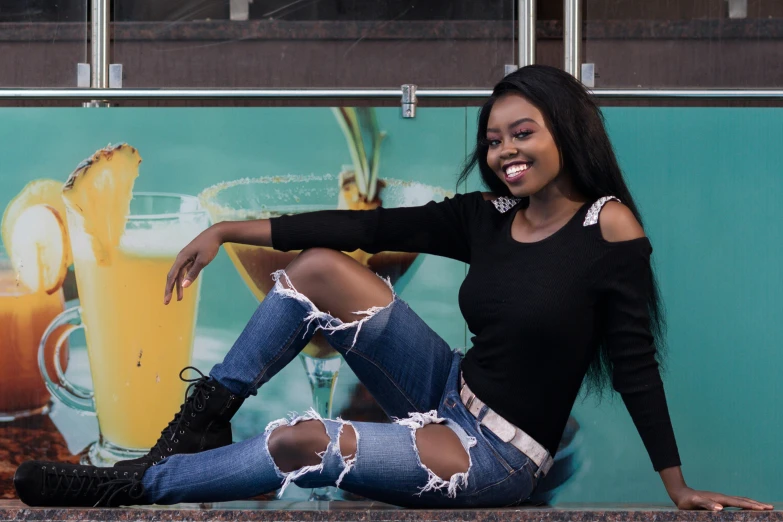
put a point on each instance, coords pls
(418, 420)
(293, 419)
(324, 320)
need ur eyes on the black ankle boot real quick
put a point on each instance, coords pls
(40, 483)
(203, 422)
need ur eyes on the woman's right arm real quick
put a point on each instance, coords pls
(256, 232)
(441, 228)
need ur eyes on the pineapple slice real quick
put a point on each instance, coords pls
(37, 192)
(98, 193)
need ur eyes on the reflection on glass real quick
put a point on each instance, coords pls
(314, 43)
(41, 42)
(683, 44)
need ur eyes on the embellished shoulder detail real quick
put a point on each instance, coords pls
(592, 213)
(505, 203)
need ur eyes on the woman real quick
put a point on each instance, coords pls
(560, 291)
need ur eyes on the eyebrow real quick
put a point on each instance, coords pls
(523, 120)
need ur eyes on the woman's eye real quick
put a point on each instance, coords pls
(493, 143)
(522, 134)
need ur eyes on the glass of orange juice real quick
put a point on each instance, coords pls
(24, 316)
(136, 345)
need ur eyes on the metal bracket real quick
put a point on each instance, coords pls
(83, 75)
(115, 76)
(409, 100)
(738, 8)
(588, 75)
(83, 81)
(239, 10)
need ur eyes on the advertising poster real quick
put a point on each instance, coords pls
(92, 361)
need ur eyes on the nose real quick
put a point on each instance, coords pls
(509, 151)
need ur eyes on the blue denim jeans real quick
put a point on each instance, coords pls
(412, 374)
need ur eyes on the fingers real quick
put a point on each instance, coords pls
(718, 502)
(708, 504)
(174, 279)
(195, 270)
(178, 281)
(170, 280)
(746, 503)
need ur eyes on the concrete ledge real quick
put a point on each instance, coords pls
(372, 511)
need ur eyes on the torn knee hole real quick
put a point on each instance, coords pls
(324, 320)
(297, 446)
(441, 451)
(348, 446)
(347, 441)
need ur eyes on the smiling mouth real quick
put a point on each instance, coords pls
(516, 171)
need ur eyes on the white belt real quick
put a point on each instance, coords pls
(506, 431)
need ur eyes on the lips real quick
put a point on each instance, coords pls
(516, 171)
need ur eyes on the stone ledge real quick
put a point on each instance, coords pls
(284, 511)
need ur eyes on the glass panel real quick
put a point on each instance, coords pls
(683, 43)
(41, 42)
(313, 43)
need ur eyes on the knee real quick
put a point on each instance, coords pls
(294, 447)
(312, 264)
(284, 444)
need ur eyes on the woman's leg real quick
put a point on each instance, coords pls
(424, 463)
(403, 363)
(286, 320)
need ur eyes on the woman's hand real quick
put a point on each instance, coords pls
(688, 498)
(191, 260)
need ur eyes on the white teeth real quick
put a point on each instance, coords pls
(516, 169)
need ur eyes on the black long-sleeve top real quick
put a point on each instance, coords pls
(538, 311)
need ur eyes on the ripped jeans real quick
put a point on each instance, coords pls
(412, 374)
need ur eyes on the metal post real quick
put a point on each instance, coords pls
(527, 32)
(100, 44)
(572, 36)
(99, 31)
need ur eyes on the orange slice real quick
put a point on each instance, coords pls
(98, 194)
(37, 192)
(39, 256)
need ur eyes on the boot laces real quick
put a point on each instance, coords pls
(194, 403)
(85, 483)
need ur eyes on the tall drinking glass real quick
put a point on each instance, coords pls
(136, 345)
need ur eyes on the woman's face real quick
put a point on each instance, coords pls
(522, 152)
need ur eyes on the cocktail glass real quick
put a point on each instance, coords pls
(265, 197)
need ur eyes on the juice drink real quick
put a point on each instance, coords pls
(136, 345)
(24, 316)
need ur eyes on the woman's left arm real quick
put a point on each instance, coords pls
(632, 350)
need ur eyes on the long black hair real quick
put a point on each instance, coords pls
(577, 126)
